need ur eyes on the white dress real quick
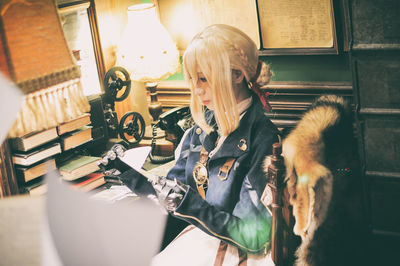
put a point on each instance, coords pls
(196, 248)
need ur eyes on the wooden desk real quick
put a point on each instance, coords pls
(163, 146)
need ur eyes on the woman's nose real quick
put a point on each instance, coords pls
(199, 91)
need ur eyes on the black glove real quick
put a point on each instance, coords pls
(136, 182)
(111, 164)
(170, 192)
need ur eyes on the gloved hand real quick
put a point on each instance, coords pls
(169, 192)
(111, 163)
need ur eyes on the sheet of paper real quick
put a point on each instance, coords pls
(20, 230)
(136, 157)
(90, 232)
(296, 23)
(11, 101)
(114, 193)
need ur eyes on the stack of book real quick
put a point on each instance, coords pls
(75, 132)
(33, 156)
(89, 182)
(81, 172)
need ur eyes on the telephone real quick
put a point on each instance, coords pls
(174, 122)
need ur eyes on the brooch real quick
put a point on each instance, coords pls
(200, 173)
(242, 145)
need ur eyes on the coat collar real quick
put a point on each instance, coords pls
(239, 141)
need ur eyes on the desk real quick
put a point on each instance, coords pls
(163, 147)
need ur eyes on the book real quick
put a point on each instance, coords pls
(37, 154)
(74, 124)
(75, 138)
(79, 166)
(89, 182)
(33, 139)
(35, 187)
(26, 174)
(38, 190)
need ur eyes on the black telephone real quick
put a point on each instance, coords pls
(174, 122)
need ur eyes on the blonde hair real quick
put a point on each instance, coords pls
(215, 52)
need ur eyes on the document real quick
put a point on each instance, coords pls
(296, 23)
(113, 194)
(136, 157)
(90, 232)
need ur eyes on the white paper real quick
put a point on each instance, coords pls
(20, 226)
(89, 232)
(136, 157)
(114, 193)
(10, 103)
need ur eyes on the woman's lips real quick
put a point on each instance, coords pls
(206, 102)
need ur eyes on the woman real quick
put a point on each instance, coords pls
(218, 175)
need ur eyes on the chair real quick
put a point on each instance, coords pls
(284, 242)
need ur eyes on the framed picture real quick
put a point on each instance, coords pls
(79, 22)
(278, 27)
(297, 27)
(185, 18)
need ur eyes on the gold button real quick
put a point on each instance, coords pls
(242, 145)
(198, 131)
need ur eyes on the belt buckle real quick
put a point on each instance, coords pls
(223, 172)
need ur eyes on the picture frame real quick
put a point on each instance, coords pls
(79, 22)
(185, 18)
(309, 32)
(297, 27)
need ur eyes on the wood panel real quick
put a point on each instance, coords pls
(289, 100)
(385, 196)
(375, 56)
(375, 24)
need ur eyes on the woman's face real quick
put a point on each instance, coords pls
(203, 91)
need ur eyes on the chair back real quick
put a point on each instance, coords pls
(284, 242)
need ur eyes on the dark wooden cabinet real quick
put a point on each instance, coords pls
(375, 59)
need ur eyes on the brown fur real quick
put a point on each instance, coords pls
(303, 153)
(324, 202)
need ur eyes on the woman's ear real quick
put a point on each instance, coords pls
(237, 76)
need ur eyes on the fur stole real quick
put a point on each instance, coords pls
(324, 185)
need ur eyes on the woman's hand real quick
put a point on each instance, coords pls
(170, 192)
(111, 163)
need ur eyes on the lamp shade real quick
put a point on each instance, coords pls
(146, 48)
(37, 59)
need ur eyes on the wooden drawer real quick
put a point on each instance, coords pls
(375, 23)
(378, 80)
(385, 202)
(382, 144)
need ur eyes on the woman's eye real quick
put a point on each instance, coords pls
(203, 79)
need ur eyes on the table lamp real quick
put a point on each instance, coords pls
(147, 51)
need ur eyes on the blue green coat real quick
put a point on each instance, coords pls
(232, 210)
